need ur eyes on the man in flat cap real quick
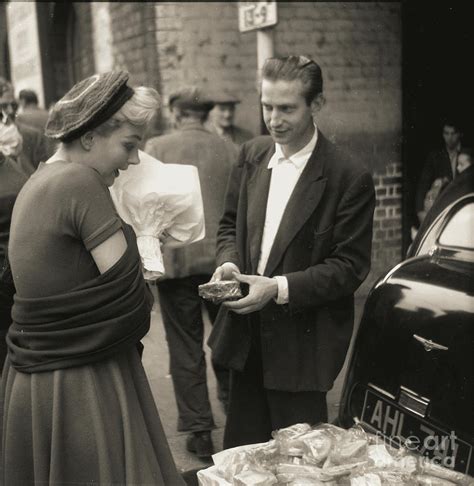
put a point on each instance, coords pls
(221, 119)
(188, 267)
(33, 144)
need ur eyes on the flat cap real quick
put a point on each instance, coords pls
(224, 97)
(88, 104)
(191, 98)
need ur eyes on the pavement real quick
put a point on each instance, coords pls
(156, 363)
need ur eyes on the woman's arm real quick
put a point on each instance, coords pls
(109, 252)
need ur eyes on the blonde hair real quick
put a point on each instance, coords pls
(138, 110)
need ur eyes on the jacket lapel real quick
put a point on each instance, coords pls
(302, 203)
(257, 187)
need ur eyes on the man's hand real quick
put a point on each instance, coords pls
(225, 272)
(261, 291)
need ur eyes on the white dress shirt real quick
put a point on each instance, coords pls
(285, 175)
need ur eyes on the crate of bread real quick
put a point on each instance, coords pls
(326, 455)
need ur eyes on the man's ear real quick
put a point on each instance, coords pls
(318, 103)
(87, 140)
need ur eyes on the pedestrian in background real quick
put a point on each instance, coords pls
(222, 119)
(186, 268)
(440, 165)
(34, 145)
(76, 406)
(29, 111)
(298, 225)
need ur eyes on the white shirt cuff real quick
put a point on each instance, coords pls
(282, 297)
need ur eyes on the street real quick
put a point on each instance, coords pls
(155, 360)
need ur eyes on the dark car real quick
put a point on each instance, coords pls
(410, 376)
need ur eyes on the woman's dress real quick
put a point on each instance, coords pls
(91, 423)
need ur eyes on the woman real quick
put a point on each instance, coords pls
(76, 404)
(11, 181)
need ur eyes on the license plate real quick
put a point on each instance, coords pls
(402, 428)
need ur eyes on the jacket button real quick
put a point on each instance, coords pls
(308, 330)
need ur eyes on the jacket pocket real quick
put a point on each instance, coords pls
(323, 234)
(322, 244)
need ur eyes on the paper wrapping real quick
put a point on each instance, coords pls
(163, 204)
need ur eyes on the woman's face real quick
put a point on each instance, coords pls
(116, 151)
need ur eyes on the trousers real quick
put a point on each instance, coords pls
(254, 411)
(181, 309)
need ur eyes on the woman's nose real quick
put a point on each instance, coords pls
(134, 159)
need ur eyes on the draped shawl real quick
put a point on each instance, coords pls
(89, 323)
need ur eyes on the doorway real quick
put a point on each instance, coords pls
(437, 84)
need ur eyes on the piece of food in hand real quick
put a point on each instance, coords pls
(220, 291)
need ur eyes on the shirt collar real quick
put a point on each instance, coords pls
(299, 158)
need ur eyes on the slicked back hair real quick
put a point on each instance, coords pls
(290, 68)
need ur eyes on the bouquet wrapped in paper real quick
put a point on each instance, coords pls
(163, 204)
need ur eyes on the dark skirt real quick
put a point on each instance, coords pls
(89, 425)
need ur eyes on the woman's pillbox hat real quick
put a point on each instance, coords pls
(87, 105)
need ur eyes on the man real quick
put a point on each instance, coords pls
(221, 119)
(440, 165)
(188, 267)
(298, 224)
(34, 147)
(29, 112)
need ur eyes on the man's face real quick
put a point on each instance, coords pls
(286, 114)
(451, 136)
(223, 114)
(8, 107)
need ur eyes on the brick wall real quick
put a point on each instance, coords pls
(132, 26)
(199, 42)
(358, 45)
(387, 239)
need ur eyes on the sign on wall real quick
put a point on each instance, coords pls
(25, 54)
(257, 15)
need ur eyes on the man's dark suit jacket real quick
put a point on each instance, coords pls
(323, 248)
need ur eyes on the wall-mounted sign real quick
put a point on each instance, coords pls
(257, 15)
(25, 55)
